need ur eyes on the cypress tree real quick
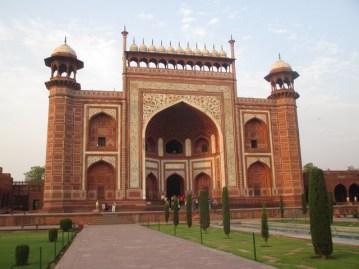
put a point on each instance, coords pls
(319, 214)
(304, 204)
(281, 207)
(330, 207)
(226, 212)
(189, 210)
(204, 210)
(166, 208)
(264, 226)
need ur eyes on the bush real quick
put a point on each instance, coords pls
(66, 224)
(22, 254)
(330, 207)
(166, 209)
(189, 210)
(264, 226)
(319, 214)
(204, 210)
(225, 211)
(53, 235)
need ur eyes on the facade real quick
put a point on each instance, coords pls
(5, 191)
(177, 126)
(342, 184)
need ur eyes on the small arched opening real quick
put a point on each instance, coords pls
(202, 182)
(353, 192)
(340, 193)
(173, 146)
(174, 186)
(151, 187)
(101, 181)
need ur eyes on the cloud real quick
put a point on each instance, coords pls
(150, 18)
(26, 43)
(277, 29)
(145, 16)
(213, 21)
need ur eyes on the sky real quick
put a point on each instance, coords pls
(320, 39)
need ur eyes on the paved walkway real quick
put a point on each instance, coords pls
(134, 246)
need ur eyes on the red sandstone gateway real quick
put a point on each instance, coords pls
(177, 126)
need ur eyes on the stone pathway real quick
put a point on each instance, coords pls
(134, 246)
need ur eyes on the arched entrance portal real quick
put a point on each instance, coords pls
(185, 137)
(353, 192)
(101, 181)
(151, 187)
(174, 186)
(202, 182)
(259, 179)
(340, 193)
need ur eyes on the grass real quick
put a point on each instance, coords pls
(35, 240)
(302, 221)
(281, 252)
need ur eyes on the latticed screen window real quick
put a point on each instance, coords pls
(101, 141)
(254, 144)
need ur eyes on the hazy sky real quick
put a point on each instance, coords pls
(320, 39)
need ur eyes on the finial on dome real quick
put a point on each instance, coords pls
(152, 41)
(124, 28)
(279, 56)
(65, 41)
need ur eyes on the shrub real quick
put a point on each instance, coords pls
(189, 210)
(175, 211)
(22, 254)
(53, 235)
(319, 214)
(281, 207)
(204, 210)
(66, 224)
(264, 226)
(166, 208)
(225, 211)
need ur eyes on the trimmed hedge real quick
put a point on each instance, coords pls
(166, 209)
(225, 211)
(189, 210)
(175, 211)
(53, 235)
(264, 226)
(66, 224)
(204, 210)
(319, 214)
(22, 255)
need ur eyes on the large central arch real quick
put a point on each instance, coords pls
(176, 128)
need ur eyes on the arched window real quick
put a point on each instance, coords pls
(150, 145)
(201, 145)
(102, 132)
(256, 136)
(174, 147)
(340, 193)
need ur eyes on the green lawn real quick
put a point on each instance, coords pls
(302, 221)
(281, 252)
(35, 239)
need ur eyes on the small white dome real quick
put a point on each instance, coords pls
(64, 50)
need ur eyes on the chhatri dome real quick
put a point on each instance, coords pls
(280, 66)
(64, 50)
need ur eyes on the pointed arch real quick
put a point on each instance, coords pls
(202, 182)
(152, 192)
(256, 136)
(340, 193)
(101, 181)
(259, 179)
(102, 132)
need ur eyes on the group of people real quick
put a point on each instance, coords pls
(213, 203)
(105, 207)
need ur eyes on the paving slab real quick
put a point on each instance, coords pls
(133, 246)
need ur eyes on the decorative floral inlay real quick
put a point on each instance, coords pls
(154, 102)
(109, 111)
(109, 159)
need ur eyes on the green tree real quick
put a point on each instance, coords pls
(189, 210)
(204, 210)
(35, 174)
(304, 206)
(166, 209)
(330, 207)
(319, 214)
(264, 226)
(281, 207)
(307, 167)
(226, 212)
(175, 213)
